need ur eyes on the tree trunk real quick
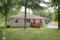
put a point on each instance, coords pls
(59, 17)
(6, 11)
(6, 19)
(25, 18)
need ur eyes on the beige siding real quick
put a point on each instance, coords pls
(43, 21)
(20, 23)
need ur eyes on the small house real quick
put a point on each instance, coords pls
(18, 20)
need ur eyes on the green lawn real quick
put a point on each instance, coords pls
(1, 34)
(32, 34)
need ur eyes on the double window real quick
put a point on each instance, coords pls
(27, 20)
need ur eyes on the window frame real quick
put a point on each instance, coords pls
(27, 20)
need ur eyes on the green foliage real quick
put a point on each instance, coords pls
(56, 2)
(42, 13)
(48, 15)
(55, 16)
(14, 11)
(6, 6)
(33, 4)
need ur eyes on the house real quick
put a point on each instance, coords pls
(18, 20)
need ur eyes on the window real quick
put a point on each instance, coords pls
(28, 20)
(16, 21)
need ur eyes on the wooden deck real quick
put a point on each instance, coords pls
(36, 25)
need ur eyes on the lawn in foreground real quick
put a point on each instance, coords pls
(1, 34)
(32, 34)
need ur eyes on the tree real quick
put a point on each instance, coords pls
(57, 3)
(6, 6)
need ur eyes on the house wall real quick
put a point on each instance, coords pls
(43, 21)
(20, 23)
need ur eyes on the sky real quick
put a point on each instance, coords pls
(28, 10)
(47, 0)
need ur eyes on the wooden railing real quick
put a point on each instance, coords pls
(36, 25)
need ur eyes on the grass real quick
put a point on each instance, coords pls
(32, 34)
(1, 34)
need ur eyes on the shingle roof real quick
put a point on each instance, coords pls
(29, 16)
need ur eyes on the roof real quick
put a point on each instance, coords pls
(28, 16)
